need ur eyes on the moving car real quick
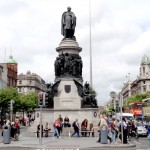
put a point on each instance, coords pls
(141, 130)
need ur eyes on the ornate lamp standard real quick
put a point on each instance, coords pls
(113, 96)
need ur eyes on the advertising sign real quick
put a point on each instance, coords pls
(146, 111)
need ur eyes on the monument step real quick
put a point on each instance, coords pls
(50, 134)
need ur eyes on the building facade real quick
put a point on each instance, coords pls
(9, 73)
(3, 83)
(30, 82)
(142, 83)
(126, 90)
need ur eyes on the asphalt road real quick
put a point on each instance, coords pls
(142, 143)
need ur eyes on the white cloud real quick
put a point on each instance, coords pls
(120, 37)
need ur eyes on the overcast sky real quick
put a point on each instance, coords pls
(120, 33)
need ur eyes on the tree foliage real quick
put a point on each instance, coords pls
(138, 97)
(22, 101)
(111, 107)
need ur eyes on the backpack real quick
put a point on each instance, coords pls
(74, 124)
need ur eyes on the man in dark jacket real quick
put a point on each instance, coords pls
(76, 128)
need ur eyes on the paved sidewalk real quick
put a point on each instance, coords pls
(72, 143)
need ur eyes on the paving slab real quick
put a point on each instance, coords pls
(67, 143)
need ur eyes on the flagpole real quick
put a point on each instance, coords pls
(91, 78)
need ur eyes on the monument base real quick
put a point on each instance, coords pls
(50, 115)
(68, 97)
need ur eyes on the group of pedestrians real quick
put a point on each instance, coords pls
(14, 129)
(113, 128)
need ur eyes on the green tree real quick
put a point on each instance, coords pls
(27, 102)
(137, 98)
(7, 94)
(23, 102)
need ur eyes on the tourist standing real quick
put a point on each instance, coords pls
(125, 131)
(39, 131)
(113, 130)
(101, 123)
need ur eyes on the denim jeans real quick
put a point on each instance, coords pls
(76, 132)
(56, 132)
(113, 136)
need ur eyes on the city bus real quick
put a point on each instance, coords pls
(137, 110)
(146, 109)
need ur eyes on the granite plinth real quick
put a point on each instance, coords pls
(67, 97)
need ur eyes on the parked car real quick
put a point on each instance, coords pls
(141, 130)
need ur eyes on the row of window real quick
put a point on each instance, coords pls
(37, 84)
(22, 90)
(20, 82)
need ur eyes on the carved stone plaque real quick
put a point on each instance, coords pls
(67, 88)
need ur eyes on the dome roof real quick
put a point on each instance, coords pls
(145, 60)
(10, 60)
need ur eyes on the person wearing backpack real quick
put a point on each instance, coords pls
(76, 128)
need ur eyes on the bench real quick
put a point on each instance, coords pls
(38, 133)
(88, 132)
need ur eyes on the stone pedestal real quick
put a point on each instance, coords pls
(67, 98)
(68, 46)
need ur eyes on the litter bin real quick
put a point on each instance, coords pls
(104, 134)
(6, 134)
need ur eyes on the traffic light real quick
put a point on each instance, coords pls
(46, 99)
(9, 105)
(41, 99)
(117, 105)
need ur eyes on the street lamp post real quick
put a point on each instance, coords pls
(40, 126)
(1, 115)
(121, 99)
(11, 109)
(113, 96)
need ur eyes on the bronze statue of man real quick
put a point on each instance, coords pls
(68, 23)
